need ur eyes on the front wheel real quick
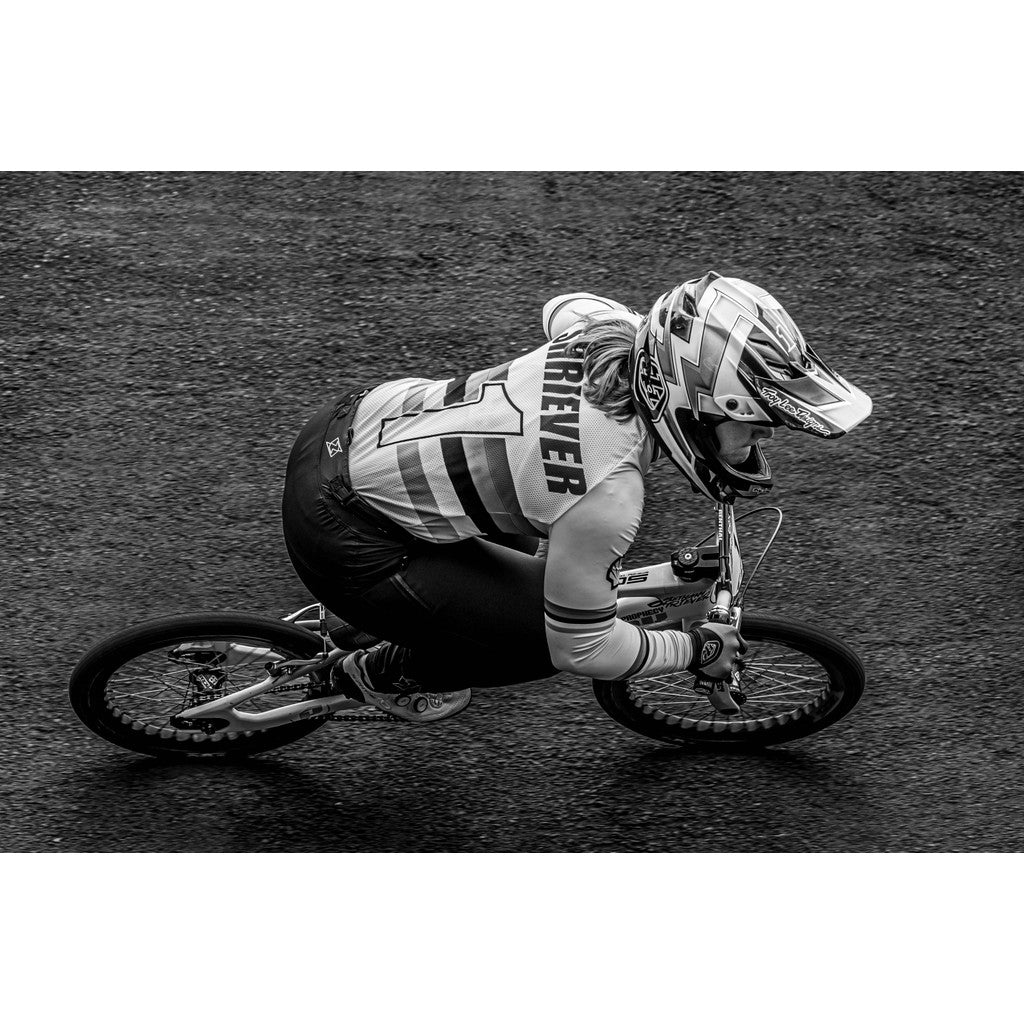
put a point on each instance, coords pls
(135, 687)
(797, 680)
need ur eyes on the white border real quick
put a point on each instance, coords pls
(205, 85)
(496, 938)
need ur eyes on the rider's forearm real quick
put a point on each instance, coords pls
(581, 584)
(596, 644)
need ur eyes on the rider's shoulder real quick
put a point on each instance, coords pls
(563, 311)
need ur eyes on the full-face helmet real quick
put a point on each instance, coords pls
(719, 348)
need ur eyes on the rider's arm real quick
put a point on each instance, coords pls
(565, 310)
(584, 636)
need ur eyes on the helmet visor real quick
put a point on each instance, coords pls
(805, 404)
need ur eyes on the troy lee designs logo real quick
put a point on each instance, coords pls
(649, 383)
(711, 650)
(783, 404)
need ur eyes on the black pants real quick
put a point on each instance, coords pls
(463, 614)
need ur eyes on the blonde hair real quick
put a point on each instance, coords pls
(605, 345)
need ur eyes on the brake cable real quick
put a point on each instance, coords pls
(771, 540)
(738, 600)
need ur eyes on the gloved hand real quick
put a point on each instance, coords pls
(715, 646)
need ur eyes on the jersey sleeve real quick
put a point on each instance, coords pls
(581, 584)
(563, 311)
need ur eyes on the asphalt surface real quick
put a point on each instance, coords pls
(165, 337)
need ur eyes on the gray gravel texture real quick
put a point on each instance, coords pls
(166, 335)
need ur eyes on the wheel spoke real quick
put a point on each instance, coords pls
(787, 678)
(794, 691)
(153, 687)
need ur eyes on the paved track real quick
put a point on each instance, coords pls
(164, 337)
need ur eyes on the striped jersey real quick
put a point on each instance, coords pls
(507, 449)
(516, 448)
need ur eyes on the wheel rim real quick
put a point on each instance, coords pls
(781, 684)
(144, 693)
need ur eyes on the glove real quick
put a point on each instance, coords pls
(715, 646)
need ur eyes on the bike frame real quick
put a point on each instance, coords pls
(654, 596)
(225, 708)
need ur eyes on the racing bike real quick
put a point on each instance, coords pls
(235, 684)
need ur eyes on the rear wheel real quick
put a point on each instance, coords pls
(796, 679)
(135, 687)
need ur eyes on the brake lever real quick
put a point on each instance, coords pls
(725, 695)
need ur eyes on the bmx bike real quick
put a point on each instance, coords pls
(229, 684)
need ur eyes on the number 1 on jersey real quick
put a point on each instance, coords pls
(492, 414)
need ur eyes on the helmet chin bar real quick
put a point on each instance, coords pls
(751, 465)
(735, 481)
(753, 476)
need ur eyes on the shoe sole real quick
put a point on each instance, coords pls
(393, 707)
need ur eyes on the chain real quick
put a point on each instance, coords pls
(374, 716)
